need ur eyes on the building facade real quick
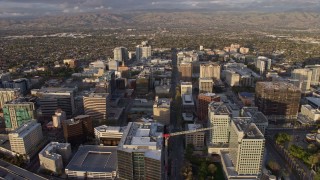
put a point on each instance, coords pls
(210, 70)
(161, 110)
(196, 139)
(77, 130)
(26, 137)
(186, 88)
(8, 95)
(97, 105)
(18, 112)
(204, 99)
(185, 71)
(206, 85)
(278, 100)
(302, 79)
(120, 54)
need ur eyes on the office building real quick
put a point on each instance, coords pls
(196, 139)
(315, 79)
(206, 85)
(4, 77)
(93, 162)
(302, 79)
(140, 152)
(143, 51)
(121, 83)
(18, 112)
(97, 105)
(232, 78)
(58, 117)
(246, 151)
(24, 139)
(204, 99)
(142, 85)
(188, 104)
(210, 70)
(161, 110)
(219, 117)
(54, 155)
(51, 99)
(185, 71)
(278, 100)
(263, 64)
(8, 95)
(77, 130)
(109, 135)
(186, 88)
(120, 54)
(256, 117)
(113, 65)
(22, 84)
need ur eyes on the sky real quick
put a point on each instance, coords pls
(15, 8)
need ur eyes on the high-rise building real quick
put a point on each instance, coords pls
(206, 85)
(246, 148)
(232, 78)
(8, 95)
(26, 137)
(204, 99)
(278, 100)
(51, 99)
(256, 117)
(113, 65)
(210, 70)
(17, 112)
(54, 155)
(140, 152)
(142, 85)
(186, 88)
(185, 70)
(161, 110)
(263, 64)
(120, 54)
(303, 78)
(109, 135)
(197, 138)
(76, 130)
(58, 117)
(315, 79)
(97, 105)
(219, 117)
(143, 51)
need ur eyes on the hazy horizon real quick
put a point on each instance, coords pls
(23, 8)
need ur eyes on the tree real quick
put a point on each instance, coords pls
(314, 160)
(186, 171)
(189, 151)
(281, 138)
(273, 166)
(312, 148)
(203, 171)
(212, 169)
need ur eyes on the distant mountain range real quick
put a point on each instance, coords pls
(168, 18)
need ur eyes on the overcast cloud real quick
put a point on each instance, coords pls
(10, 8)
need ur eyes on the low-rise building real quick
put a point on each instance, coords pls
(54, 155)
(108, 135)
(188, 104)
(310, 112)
(93, 162)
(161, 110)
(206, 85)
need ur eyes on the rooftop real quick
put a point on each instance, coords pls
(19, 100)
(219, 108)
(142, 137)
(277, 85)
(162, 102)
(50, 151)
(25, 128)
(94, 159)
(250, 130)
(97, 95)
(314, 100)
(110, 129)
(194, 126)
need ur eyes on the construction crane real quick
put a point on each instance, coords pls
(168, 135)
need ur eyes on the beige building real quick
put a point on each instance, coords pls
(58, 117)
(246, 147)
(108, 135)
(196, 139)
(186, 88)
(310, 112)
(97, 105)
(244, 50)
(26, 137)
(206, 85)
(185, 71)
(53, 156)
(232, 78)
(161, 110)
(8, 95)
(219, 115)
(210, 70)
(302, 78)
